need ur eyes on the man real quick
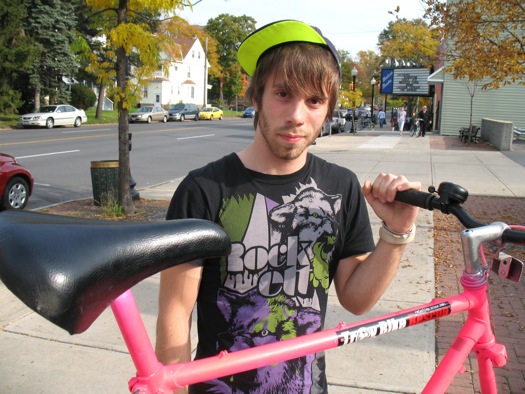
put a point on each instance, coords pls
(401, 119)
(425, 120)
(381, 117)
(296, 223)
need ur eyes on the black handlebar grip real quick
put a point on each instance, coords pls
(416, 198)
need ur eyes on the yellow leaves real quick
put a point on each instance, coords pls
(485, 39)
(411, 40)
(139, 5)
(350, 98)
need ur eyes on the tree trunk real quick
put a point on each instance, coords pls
(125, 199)
(470, 119)
(100, 102)
(37, 99)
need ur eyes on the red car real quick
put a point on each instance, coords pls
(16, 183)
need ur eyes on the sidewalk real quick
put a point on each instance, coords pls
(37, 357)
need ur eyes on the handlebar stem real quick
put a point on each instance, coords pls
(471, 241)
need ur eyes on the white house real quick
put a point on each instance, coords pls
(186, 80)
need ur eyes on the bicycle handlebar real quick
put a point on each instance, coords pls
(448, 200)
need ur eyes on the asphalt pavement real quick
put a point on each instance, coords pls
(38, 357)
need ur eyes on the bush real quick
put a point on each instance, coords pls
(9, 100)
(82, 97)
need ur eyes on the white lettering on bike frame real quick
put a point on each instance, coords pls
(384, 326)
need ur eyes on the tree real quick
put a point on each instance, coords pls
(368, 66)
(229, 31)
(127, 34)
(17, 53)
(413, 41)
(484, 39)
(51, 25)
(350, 98)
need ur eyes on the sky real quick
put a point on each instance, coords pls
(350, 25)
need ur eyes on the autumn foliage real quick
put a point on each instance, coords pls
(485, 39)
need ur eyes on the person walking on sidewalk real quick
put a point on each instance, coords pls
(401, 119)
(425, 120)
(297, 223)
(381, 117)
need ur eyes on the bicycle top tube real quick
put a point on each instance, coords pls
(69, 270)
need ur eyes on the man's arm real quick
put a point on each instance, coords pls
(179, 287)
(361, 280)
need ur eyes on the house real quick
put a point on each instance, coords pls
(452, 103)
(186, 80)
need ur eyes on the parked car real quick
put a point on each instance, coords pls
(249, 112)
(238, 107)
(50, 116)
(149, 114)
(211, 113)
(338, 121)
(16, 183)
(182, 111)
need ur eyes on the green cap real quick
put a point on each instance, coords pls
(278, 33)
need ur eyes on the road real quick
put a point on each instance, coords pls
(60, 158)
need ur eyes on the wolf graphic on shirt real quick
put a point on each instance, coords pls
(276, 280)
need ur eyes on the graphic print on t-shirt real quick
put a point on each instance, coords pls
(277, 277)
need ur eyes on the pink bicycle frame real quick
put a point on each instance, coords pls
(153, 377)
(476, 334)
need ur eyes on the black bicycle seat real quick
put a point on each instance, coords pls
(69, 270)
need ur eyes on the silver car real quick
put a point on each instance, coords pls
(149, 114)
(50, 116)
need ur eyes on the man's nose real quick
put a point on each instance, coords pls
(296, 112)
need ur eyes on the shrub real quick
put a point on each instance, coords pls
(82, 97)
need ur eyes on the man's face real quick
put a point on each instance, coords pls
(290, 121)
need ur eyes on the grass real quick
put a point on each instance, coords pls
(8, 121)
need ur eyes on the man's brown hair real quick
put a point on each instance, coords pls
(304, 67)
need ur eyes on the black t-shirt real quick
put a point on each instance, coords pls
(288, 235)
(424, 115)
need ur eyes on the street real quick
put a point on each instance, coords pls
(60, 158)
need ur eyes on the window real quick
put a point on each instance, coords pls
(192, 92)
(199, 55)
(145, 92)
(157, 98)
(189, 72)
(193, 54)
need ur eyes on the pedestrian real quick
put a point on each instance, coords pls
(425, 120)
(296, 223)
(381, 117)
(401, 119)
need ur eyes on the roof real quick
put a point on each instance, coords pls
(436, 77)
(185, 44)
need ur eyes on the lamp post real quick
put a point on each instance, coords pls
(373, 82)
(354, 75)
